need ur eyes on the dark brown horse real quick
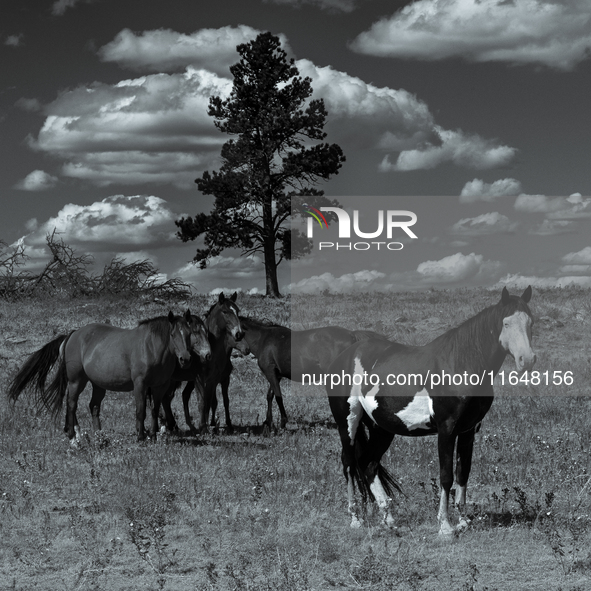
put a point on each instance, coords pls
(110, 358)
(399, 389)
(224, 333)
(285, 353)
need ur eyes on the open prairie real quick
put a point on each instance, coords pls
(244, 512)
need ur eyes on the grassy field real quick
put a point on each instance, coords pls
(244, 512)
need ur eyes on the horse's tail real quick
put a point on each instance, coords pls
(361, 478)
(34, 372)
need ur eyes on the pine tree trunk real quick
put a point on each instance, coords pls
(271, 271)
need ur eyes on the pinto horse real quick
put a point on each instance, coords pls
(110, 358)
(424, 405)
(224, 333)
(285, 353)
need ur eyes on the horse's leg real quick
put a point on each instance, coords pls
(379, 442)
(445, 442)
(463, 465)
(158, 393)
(140, 395)
(75, 387)
(166, 406)
(189, 387)
(225, 383)
(274, 391)
(268, 424)
(348, 416)
(98, 395)
(206, 400)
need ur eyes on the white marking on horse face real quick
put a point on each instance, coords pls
(516, 339)
(417, 414)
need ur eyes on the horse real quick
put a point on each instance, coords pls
(285, 353)
(224, 333)
(392, 389)
(110, 358)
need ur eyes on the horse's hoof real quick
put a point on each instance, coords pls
(266, 430)
(356, 523)
(462, 526)
(229, 429)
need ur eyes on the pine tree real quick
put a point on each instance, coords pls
(271, 165)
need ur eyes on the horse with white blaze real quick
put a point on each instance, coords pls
(450, 408)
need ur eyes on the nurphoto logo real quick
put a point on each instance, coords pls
(394, 218)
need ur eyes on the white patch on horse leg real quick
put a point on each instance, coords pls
(78, 433)
(356, 521)
(383, 501)
(417, 414)
(445, 528)
(461, 496)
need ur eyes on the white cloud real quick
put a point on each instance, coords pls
(477, 190)
(38, 180)
(60, 6)
(164, 50)
(458, 268)
(28, 104)
(487, 223)
(359, 282)
(224, 269)
(581, 257)
(126, 223)
(329, 5)
(556, 34)
(470, 151)
(14, 40)
(153, 129)
(556, 208)
(553, 227)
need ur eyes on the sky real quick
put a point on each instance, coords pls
(473, 115)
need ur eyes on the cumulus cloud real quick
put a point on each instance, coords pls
(126, 223)
(224, 270)
(477, 190)
(153, 129)
(164, 50)
(487, 223)
(38, 180)
(555, 34)
(458, 268)
(581, 257)
(328, 5)
(359, 282)
(467, 150)
(556, 208)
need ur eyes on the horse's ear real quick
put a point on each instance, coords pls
(526, 296)
(234, 296)
(505, 296)
(221, 297)
(171, 317)
(188, 315)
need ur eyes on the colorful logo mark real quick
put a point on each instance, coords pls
(318, 216)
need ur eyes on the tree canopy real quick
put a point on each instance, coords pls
(272, 165)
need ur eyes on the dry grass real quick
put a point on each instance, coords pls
(244, 512)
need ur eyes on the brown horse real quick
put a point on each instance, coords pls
(110, 358)
(224, 333)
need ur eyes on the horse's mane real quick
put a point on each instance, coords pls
(158, 325)
(260, 323)
(469, 342)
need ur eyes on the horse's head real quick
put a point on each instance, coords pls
(199, 340)
(223, 317)
(180, 337)
(515, 337)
